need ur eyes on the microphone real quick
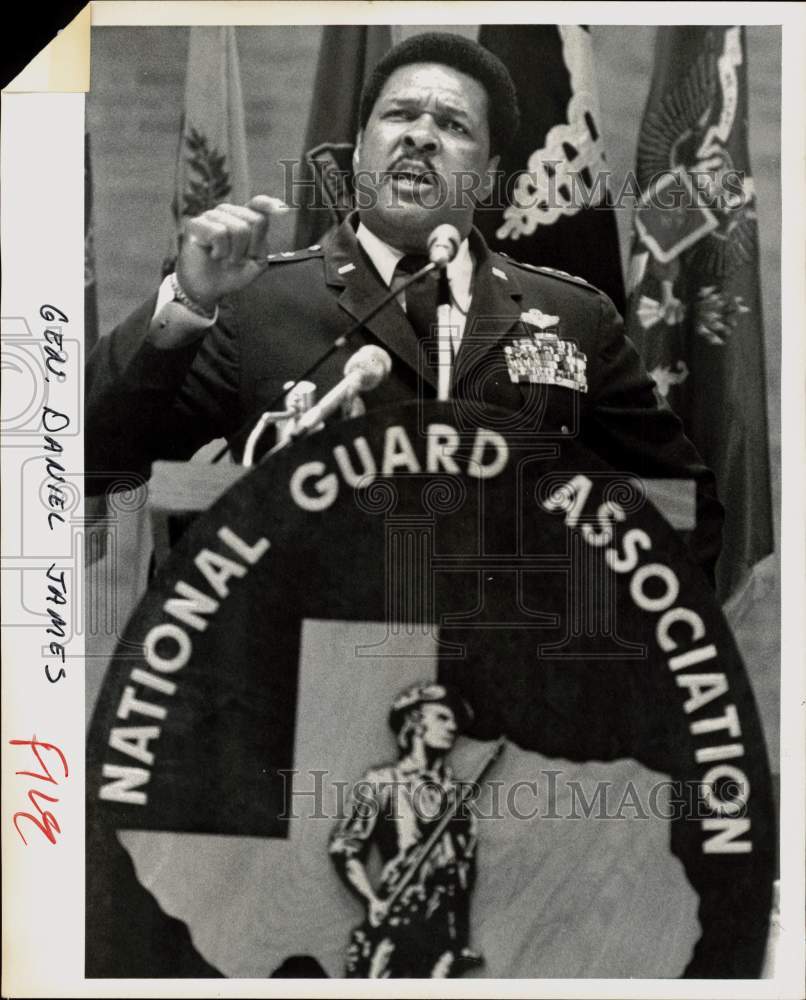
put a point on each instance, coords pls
(445, 240)
(298, 400)
(443, 244)
(364, 371)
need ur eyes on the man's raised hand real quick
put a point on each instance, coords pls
(225, 248)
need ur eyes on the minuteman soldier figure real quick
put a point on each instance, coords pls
(417, 922)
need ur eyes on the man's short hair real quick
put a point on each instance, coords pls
(468, 57)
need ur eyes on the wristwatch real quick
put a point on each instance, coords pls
(180, 295)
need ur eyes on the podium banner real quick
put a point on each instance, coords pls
(626, 829)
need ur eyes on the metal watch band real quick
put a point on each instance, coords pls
(181, 296)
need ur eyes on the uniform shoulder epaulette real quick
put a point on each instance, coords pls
(288, 256)
(553, 272)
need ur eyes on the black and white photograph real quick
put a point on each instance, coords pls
(402, 482)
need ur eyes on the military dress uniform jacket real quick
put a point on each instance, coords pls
(144, 403)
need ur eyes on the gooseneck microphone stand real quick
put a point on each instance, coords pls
(338, 343)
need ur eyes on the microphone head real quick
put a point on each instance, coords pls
(443, 244)
(371, 364)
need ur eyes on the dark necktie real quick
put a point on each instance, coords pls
(421, 297)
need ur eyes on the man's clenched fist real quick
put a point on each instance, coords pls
(225, 248)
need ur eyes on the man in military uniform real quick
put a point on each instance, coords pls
(232, 326)
(417, 922)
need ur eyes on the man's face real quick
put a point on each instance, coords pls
(438, 726)
(424, 157)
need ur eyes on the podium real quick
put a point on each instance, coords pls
(180, 491)
(292, 604)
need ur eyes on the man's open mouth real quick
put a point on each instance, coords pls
(415, 176)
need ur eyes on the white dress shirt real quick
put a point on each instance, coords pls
(460, 275)
(460, 278)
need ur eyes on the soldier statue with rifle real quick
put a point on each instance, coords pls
(417, 815)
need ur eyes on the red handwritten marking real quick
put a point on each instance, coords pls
(45, 821)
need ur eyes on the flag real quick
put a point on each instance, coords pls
(90, 282)
(211, 164)
(552, 207)
(695, 304)
(347, 55)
